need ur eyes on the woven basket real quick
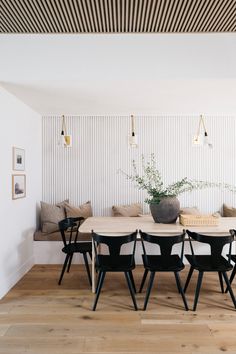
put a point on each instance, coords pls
(198, 220)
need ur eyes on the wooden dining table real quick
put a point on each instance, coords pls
(115, 226)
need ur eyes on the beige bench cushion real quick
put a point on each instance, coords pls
(84, 210)
(56, 236)
(134, 209)
(51, 215)
(229, 211)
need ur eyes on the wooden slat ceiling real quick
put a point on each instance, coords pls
(117, 16)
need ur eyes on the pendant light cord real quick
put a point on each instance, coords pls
(63, 126)
(201, 122)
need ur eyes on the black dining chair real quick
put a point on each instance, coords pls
(165, 262)
(214, 262)
(233, 258)
(70, 226)
(114, 261)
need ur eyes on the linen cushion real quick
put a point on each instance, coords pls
(84, 210)
(190, 211)
(50, 216)
(229, 211)
(127, 210)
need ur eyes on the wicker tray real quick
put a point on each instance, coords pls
(198, 220)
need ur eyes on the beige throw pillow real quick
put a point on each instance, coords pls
(127, 210)
(190, 211)
(51, 215)
(229, 211)
(84, 210)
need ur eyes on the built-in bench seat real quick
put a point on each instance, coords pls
(56, 236)
(48, 252)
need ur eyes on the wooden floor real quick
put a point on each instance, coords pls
(38, 316)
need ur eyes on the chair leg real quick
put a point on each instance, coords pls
(90, 254)
(231, 277)
(177, 283)
(132, 281)
(129, 282)
(198, 287)
(180, 289)
(98, 280)
(143, 280)
(99, 287)
(87, 268)
(190, 273)
(149, 288)
(229, 288)
(69, 264)
(64, 268)
(221, 282)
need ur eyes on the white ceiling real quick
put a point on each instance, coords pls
(121, 74)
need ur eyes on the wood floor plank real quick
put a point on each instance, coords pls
(39, 317)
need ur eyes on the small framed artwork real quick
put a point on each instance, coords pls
(18, 159)
(18, 186)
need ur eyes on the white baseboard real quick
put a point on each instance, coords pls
(16, 276)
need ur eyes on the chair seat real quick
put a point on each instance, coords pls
(160, 263)
(79, 247)
(207, 263)
(121, 263)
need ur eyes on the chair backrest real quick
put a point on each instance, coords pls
(165, 243)
(114, 243)
(216, 243)
(70, 225)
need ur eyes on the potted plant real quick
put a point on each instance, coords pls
(164, 205)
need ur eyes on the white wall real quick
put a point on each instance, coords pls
(20, 127)
(88, 171)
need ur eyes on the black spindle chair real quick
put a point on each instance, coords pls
(114, 261)
(214, 262)
(233, 258)
(73, 245)
(165, 262)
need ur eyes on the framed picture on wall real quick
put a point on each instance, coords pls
(18, 186)
(18, 159)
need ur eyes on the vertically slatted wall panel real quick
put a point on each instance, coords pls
(90, 169)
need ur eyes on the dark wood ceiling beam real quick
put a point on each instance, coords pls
(43, 21)
(5, 26)
(78, 16)
(117, 16)
(172, 12)
(191, 13)
(229, 23)
(159, 14)
(184, 16)
(182, 7)
(14, 15)
(165, 16)
(10, 26)
(215, 4)
(226, 6)
(202, 17)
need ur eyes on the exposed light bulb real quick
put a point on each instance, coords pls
(206, 141)
(133, 141)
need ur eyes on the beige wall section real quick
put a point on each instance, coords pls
(20, 127)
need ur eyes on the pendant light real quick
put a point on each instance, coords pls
(65, 139)
(201, 138)
(133, 141)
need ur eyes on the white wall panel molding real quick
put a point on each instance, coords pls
(89, 170)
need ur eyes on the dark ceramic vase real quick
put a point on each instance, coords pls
(167, 211)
